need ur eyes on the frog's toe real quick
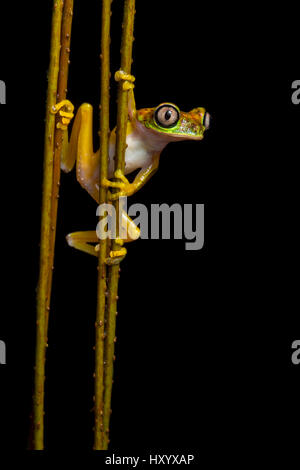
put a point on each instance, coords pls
(116, 256)
(65, 115)
(120, 175)
(127, 190)
(126, 78)
(111, 184)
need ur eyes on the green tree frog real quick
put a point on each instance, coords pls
(149, 130)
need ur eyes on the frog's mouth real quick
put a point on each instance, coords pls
(192, 132)
(187, 130)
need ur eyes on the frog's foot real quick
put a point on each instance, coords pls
(127, 188)
(65, 115)
(127, 79)
(116, 256)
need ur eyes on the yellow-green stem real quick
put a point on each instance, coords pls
(45, 262)
(101, 297)
(64, 61)
(113, 277)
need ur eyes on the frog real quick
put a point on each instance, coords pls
(149, 130)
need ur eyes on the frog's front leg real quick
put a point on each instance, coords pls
(124, 185)
(127, 188)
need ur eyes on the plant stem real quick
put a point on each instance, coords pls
(101, 298)
(113, 277)
(45, 264)
(57, 83)
(59, 133)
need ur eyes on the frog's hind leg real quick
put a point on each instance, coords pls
(81, 241)
(80, 148)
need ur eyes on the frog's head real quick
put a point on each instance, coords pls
(171, 124)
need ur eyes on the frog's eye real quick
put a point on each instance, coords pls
(206, 120)
(166, 116)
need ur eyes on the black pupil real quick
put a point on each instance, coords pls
(168, 115)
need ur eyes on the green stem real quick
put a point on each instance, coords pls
(113, 277)
(101, 298)
(45, 261)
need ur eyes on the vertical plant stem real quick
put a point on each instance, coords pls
(64, 61)
(45, 262)
(101, 297)
(113, 277)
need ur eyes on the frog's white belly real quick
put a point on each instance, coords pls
(137, 154)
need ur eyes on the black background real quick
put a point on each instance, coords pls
(204, 338)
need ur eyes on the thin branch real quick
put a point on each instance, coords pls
(59, 133)
(113, 278)
(57, 84)
(45, 263)
(101, 298)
